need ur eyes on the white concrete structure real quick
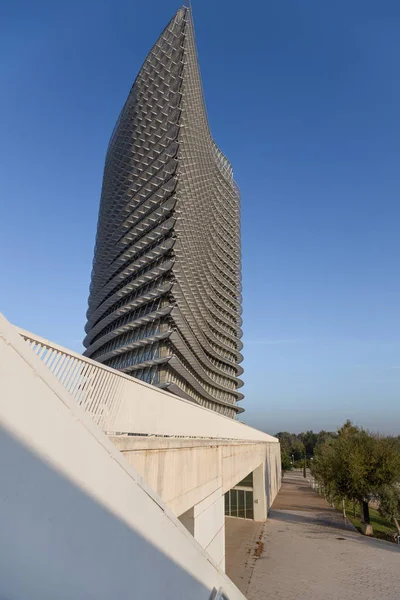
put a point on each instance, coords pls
(192, 476)
(77, 519)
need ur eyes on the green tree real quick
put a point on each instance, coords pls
(309, 439)
(297, 444)
(285, 440)
(286, 461)
(352, 469)
(323, 467)
(297, 449)
(291, 444)
(389, 503)
(356, 464)
(324, 436)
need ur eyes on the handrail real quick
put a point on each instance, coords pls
(121, 404)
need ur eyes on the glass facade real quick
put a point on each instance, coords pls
(239, 503)
(165, 293)
(239, 500)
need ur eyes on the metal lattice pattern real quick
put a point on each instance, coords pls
(165, 297)
(96, 389)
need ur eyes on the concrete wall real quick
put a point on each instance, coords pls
(206, 522)
(192, 476)
(273, 473)
(186, 471)
(76, 519)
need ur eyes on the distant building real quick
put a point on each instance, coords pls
(165, 296)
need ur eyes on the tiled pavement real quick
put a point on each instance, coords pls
(310, 554)
(241, 537)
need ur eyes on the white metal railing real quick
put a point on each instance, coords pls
(95, 387)
(120, 404)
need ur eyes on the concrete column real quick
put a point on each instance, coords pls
(259, 493)
(206, 522)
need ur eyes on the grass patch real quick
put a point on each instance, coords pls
(383, 529)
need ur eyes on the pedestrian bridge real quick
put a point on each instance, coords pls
(103, 516)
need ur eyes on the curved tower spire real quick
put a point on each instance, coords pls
(165, 296)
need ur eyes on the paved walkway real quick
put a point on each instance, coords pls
(306, 552)
(242, 539)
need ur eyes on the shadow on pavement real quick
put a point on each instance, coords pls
(309, 518)
(335, 522)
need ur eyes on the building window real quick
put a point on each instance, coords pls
(239, 503)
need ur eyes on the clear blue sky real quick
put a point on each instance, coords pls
(303, 97)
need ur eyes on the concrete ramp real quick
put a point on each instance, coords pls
(77, 521)
(189, 455)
